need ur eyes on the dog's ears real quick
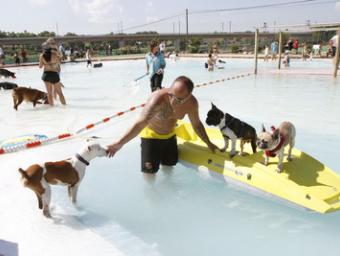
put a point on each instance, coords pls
(263, 128)
(213, 106)
(89, 148)
(276, 134)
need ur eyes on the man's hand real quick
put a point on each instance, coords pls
(113, 148)
(212, 147)
(159, 71)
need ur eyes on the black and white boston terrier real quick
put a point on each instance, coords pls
(8, 85)
(232, 128)
(6, 73)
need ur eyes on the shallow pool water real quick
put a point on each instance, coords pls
(184, 211)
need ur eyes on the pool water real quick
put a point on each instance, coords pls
(184, 211)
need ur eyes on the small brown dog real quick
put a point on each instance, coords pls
(31, 95)
(274, 143)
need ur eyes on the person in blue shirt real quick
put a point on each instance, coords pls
(274, 47)
(155, 65)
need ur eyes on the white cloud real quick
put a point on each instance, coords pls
(100, 11)
(149, 6)
(75, 5)
(97, 11)
(337, 6)
(39, 2)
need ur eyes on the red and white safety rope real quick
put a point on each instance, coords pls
(60, 137)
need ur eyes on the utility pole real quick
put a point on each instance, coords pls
(179, 27)
(229, 26)
(187, 21)
(57, 29)
(256, 49)
(173, 27)
(222, 27)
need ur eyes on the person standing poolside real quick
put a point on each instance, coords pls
(2, 56)
(50, 61)
(155, 61)
(296, 46)
(156, 125)
(274, 47)
(88, 57)
(266, 53)
(333, 43)
(162, 47)
(210, 62)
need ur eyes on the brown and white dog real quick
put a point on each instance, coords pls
(274, 143)
(69, 172)
(20, 94)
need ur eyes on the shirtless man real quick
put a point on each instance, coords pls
(157, 122)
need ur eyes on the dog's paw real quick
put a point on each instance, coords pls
(222, 150)
(289, 159)
(264, 162)
(278, 170)
(232, 154)
(242, 154)
(47, 214)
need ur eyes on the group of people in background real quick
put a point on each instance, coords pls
(293, 46)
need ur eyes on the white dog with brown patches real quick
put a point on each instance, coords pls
(69, 172)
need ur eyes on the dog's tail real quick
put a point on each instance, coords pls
(24, 175)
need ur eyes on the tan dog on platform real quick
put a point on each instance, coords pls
(69, 172)
(274, 143)
(20, 94)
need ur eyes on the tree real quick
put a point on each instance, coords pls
(46, 34)
(70, 34)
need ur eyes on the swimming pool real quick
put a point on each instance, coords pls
(184, 212)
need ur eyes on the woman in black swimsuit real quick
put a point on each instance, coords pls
(50, 61)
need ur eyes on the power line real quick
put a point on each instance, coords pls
(283, 4)
(154, 22)
(301, 2)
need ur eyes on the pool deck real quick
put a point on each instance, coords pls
(142, 56)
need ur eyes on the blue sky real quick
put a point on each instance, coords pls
(104, 16)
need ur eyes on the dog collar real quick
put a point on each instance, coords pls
(272, 153)
(81, 159)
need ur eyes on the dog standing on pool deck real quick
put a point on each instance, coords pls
(69, 172)
(233, 129)
(6, 73)
(274, 143)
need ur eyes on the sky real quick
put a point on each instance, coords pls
(105, 16)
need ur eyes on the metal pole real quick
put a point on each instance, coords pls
(229, 26)
(187, 21)
(57, 28)
(337, 55)
(256, 49)
(280, 49)
(187, 27)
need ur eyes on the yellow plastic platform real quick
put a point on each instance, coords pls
(304, 181)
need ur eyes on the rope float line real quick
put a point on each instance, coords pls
(63, 136)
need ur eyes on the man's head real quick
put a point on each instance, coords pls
(181, 89)
(153, 46)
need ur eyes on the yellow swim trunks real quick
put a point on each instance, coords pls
(148, 133)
